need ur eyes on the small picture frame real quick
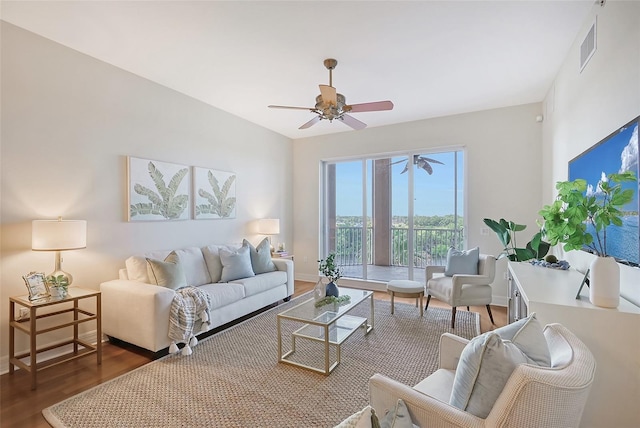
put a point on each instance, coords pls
(37, 285)
(585, 280)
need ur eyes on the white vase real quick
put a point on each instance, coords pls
(604, 282)
(319, 291)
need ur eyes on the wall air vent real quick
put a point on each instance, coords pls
(588, 46)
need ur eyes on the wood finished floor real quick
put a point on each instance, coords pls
(21, 407)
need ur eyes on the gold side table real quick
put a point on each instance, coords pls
(29, 326)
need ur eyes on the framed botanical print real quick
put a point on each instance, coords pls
(157, 190)
(215, 194)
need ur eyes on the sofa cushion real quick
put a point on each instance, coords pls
(527, 334)
(223, 294)
(462, 262)
(260, 256)
(194, 266)
(263, 282)
(168, 273)
(485, 365)
(438, 385)
(235, 264)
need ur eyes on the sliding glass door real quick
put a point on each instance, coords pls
(387, 218)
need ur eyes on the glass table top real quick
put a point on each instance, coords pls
(326, 314)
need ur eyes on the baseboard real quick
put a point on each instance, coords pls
(89, 337)
(378, 286)
(499, 301)
(306, 277)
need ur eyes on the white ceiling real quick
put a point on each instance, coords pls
(431, 58)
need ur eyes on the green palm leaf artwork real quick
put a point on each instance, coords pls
(158, 190)
(215, 194)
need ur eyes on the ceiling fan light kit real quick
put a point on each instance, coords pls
(331, 105)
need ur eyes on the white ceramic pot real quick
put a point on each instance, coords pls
(58, 292)
(604, 282)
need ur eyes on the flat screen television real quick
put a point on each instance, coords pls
(618, 152)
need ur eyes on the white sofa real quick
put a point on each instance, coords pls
(137, 312)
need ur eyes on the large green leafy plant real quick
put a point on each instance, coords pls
(576, 206)
(506, 232)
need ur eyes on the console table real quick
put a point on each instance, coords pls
(612, 335)
(30, 327)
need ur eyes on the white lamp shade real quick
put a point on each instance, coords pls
(269, 226)
(58, 235)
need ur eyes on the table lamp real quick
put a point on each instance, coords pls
(269, 226)
(58, 235)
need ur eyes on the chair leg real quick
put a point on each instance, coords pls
(490, 315)
(453, 317)
(427, 305)
(392, 302)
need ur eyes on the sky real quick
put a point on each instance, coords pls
(433, 194)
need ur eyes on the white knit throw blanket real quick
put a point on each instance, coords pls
(189, 317)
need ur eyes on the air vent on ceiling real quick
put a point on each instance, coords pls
(588, 46)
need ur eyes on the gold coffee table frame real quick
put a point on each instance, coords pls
(329, 324)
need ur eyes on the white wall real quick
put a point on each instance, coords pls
(503, 162)
(583, 108)
(69, 120)
(580, 110)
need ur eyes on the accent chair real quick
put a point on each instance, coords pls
(462, 290)
(533, 396)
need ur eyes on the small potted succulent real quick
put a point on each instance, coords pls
(58, 285)
(333, 273)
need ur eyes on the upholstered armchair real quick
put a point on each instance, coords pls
(533, 396)
(462, 290)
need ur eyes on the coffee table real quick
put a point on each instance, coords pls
(329, 324)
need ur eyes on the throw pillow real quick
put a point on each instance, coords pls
(211, 255)
(527, 334)
(168, 273)
(137, 269)
(194, 266)
(235, 264)
(397, 417)
(462, 262)
(485, 365)
(361, 419)
(260, 256)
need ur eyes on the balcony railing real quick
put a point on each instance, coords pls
(430, 245)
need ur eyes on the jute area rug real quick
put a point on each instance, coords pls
(233, 378)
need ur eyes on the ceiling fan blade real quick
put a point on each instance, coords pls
(375, 106)
(311, 123)
(292, 108)
(328, 94)
(353, 122)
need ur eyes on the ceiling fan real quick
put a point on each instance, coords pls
(420, 162)
(332, 105)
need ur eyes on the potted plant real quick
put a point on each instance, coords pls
(58, 285)
(579, 218)
(506, 232)
(333, 273)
